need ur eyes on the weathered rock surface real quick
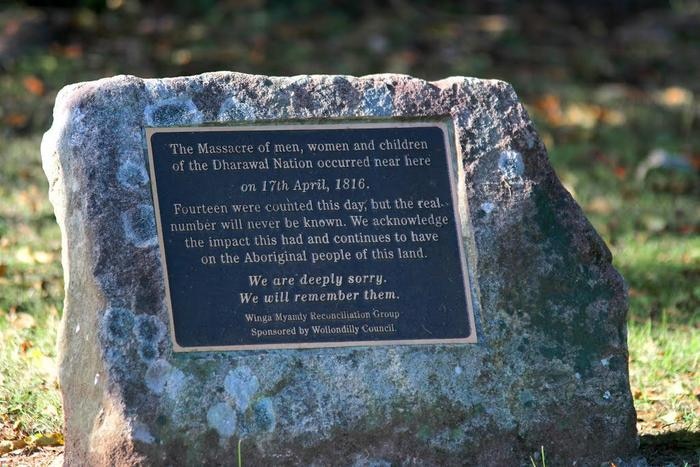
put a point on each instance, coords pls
(550, 368)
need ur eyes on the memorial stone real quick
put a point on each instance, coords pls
(327, 270)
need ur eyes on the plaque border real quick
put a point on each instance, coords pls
(457, 178)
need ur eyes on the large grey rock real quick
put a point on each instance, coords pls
(550, 368)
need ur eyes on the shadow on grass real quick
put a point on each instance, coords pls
(675, 447)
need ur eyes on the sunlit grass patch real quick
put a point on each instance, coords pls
(664, 366)
(31, 289)
(29, 398)
(663, 273)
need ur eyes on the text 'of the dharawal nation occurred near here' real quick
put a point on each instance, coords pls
(312, 235)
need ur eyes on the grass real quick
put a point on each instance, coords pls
(598, 132)
(31, 295)
(664, 377)
(542, 461)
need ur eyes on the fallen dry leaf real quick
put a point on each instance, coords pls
(550, 106)
(34, 85)
(612, 117)
(582, 115)
(674, 96)
(24, 346)
(16, 120)
(600, 205)
(620, 172)
(24, 255)
(44, 439)
(9, 446)
(30, 198)
(73, 51)
(27, 256)
(670, 417)
(21, 320)
(43, 257)
(676, 389)
(635, 293)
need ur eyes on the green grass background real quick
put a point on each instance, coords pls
(606, 86)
